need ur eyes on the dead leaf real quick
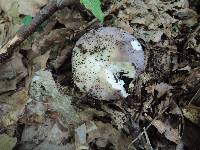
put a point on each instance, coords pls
(150, 35)
(150, 19)
(192, 113)
(13, 107)
(34, 112)
(7, 143)
(40, 62)
(162, 89)
(166, 129)
(43, 87)
(50, 133)
(11, 73)
(105, 134)
(71, 18)
(31, 7)
(188, 16)
(10, 7)
(197, 49)
(194, 78)
(8, 27)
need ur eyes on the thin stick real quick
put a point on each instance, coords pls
(195, 97)
(147, 138)
(146, 128)
(25, 31)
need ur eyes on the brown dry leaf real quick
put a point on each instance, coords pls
(150, 19)
(34, 112)
(147, 36)
(188, 16)
(119, 118)
(89, 113)
(105, 134)
(62, 56)
(12, 73)
(10, 7)
(30, 7)
(40, 62)
(12, 107)
(166, 129)
(161, 88)
(192, 113)
(194, 78)
(50, 134)
(72, 19)
(56, 36)
(8, 27)
(193, 43)
(124, 25)
(197, 49)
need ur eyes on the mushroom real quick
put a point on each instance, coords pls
(105, 61)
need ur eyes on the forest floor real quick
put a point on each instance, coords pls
(42, 109)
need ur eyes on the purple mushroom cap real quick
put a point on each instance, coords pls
(104, 60)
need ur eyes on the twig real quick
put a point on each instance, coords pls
(25, 31)
(147, 139)
(195, 97)
(146, 128)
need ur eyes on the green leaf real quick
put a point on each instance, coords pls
(26, 20)
(95, 7)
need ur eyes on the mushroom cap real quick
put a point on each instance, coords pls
(103, 60)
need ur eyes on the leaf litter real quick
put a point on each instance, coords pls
(42, 109)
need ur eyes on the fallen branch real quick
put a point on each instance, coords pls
(25, 31)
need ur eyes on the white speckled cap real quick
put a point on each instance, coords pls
(103, 59)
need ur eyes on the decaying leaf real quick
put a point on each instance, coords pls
(51, 135)
(72, 19)
(10, 7)
(105, 134)
(161, 88)
(30, 7)
(7, 143)
(188, 16)
(11, 73)
(119, 118)
(34, 112)
(166, 129)
(11, 108)
(192, 113)
(43, 87)
(194, 78)
(152, 16)
(197, 49)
